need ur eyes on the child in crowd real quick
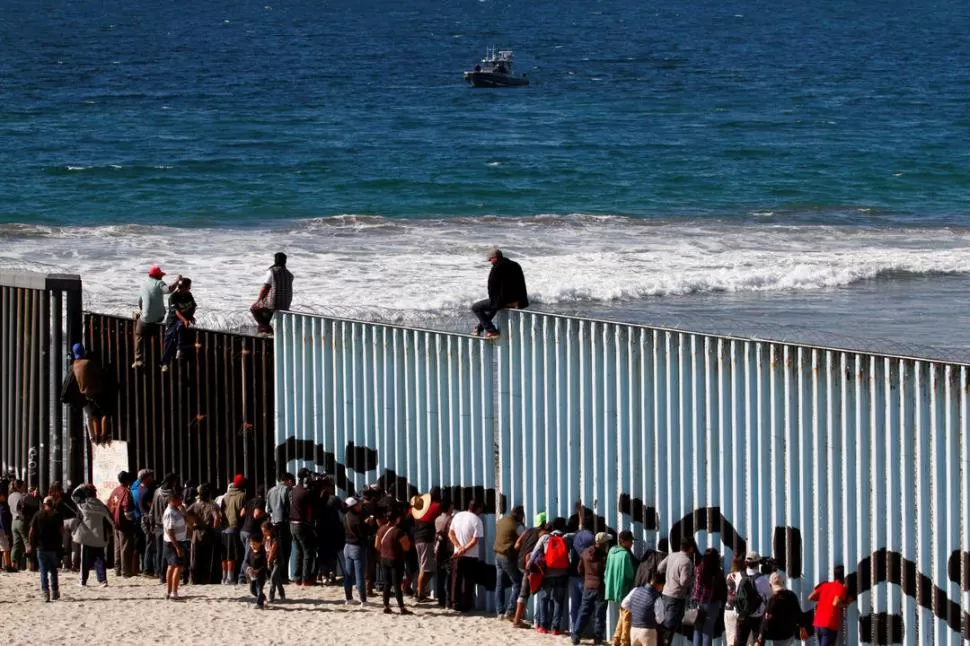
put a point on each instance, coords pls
(271, 545)
(256, 569)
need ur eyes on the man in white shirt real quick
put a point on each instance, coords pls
(467, 534)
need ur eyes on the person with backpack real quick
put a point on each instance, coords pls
(551, 553)
(678, 568)
(619, 579)
(122, 508)
(752, 594)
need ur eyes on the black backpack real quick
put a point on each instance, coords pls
(747, 600)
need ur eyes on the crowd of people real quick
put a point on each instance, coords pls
(422, 548)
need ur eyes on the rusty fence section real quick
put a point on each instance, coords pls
(40, 317)
(209, 417)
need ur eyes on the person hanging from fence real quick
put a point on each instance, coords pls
(87, 387)
(506, 290)
(180, 317)
(275, 294)
(151, 306)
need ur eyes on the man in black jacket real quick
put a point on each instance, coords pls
(506, 290)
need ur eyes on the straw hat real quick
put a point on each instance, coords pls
(420, 506)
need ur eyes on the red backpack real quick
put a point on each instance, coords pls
(557, 556)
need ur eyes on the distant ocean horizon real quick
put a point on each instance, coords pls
(795, 172)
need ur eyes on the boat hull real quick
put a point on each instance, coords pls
(492, 79)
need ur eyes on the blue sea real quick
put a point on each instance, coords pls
(783, 170)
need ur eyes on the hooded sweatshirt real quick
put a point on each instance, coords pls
(90, 529)
(620, 573)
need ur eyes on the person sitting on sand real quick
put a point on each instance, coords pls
(275, 294)
(506, 290)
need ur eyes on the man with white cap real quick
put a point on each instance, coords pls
(152, 310)
(355, 551)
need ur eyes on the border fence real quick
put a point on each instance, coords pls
(209, 417)
(814, 456)
(40, 318)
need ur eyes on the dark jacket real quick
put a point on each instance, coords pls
(46, 529)
(302, 503)
(648, 567)
(592, 567)
(506, 285)
(783, 616)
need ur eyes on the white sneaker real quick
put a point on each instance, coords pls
(165, 368)
(103, 584)
(178, 355)
(138, 363)
(349, 602)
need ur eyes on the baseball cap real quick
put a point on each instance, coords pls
(752, 557)
(239, 481)
(78, 350)
(350, 502)
(155, 271)
(49, 500)
(602, 538)
(540, 519)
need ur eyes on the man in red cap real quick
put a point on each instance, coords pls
(151, 303)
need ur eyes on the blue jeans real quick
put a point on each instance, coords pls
(47, 563)
(552, 599)
(175, 340)
(507, 575)
(704, 633)
(593, 604)
(442, 584)
(355, 560)
(827, 637)
(575, 600)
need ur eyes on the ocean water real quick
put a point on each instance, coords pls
(796, 172)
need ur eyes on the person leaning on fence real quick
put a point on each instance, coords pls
(709, 594)
(642, 603)
(506, 290)
(466, 534)
(830, 597)
(678, 568)
(620, 577)
(592, 569)
(151, 306)
(783, 615)
(180, 317)
(275, 294)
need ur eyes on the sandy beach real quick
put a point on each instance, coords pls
(134, 611)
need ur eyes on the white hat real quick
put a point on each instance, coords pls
(350, 502)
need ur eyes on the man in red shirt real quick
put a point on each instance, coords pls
(830, 597)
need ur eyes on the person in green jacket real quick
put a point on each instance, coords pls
(620, 574)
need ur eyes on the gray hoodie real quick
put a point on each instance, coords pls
(90, 530)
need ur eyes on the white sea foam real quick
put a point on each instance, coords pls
(406, 270)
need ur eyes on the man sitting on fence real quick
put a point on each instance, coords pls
(151, 306)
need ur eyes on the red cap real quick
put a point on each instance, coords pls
(239, 481)
(155, 272)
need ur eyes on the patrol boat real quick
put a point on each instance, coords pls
(495, 70)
